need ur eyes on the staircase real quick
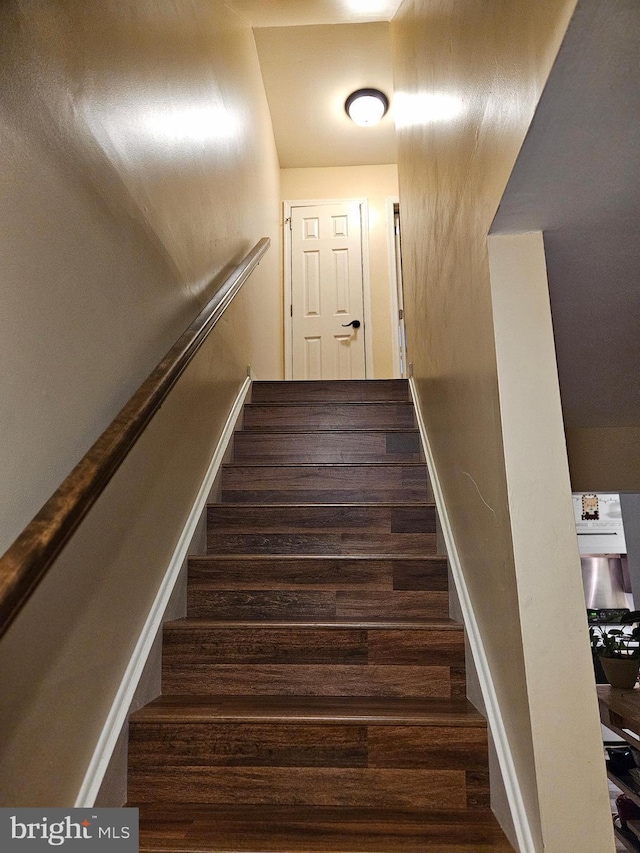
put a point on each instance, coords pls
(314, 697)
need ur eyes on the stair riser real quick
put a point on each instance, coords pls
(312, 786)
(349, 530)
(321, 519)
(205, 828)
(212, 744)
(209, 601)
(324, 484)
(320, 573)
(326, 447)
(436, 682)
(208, 643)
(344, 787)
(313, 661)
(349, 391)
(327, 416)
(283, 543)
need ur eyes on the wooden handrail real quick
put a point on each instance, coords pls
(35, 550)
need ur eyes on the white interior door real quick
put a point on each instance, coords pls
(327, 292)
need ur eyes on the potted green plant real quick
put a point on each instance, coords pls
(619, 650)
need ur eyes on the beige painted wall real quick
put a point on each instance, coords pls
(467, 78)
(138, 164)
(376, 184)
(604, 459)
(545, 546)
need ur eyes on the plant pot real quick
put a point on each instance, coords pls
(621, 672)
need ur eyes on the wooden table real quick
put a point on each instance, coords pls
(620, 712)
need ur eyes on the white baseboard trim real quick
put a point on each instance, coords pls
(494, 716)
(124, 697)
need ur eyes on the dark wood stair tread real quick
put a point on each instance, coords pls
(299, 543)
(186, 828)
(321, 403)
(205, 558)
(329, 433)
(357, 465)
(312, 709)
(337, 623)
(243, 507)
(305, 430)
(392, 556)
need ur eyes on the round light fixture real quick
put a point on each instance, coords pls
(366, 106)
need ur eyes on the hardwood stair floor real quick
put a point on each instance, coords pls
(314, 697)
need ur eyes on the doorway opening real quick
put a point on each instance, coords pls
(400, 352)
(327, 292)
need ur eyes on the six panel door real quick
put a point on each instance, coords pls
(327, 295)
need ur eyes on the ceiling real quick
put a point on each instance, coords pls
(291, 13)
(308, 73)
(578, 179)
(310, 66)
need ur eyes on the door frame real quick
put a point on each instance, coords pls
(366, 282)
(394, 286)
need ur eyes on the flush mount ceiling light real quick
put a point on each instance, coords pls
(366, 106)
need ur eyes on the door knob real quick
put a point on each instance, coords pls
(354, 323)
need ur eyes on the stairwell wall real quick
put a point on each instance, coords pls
(467, 80)
(138, 168)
